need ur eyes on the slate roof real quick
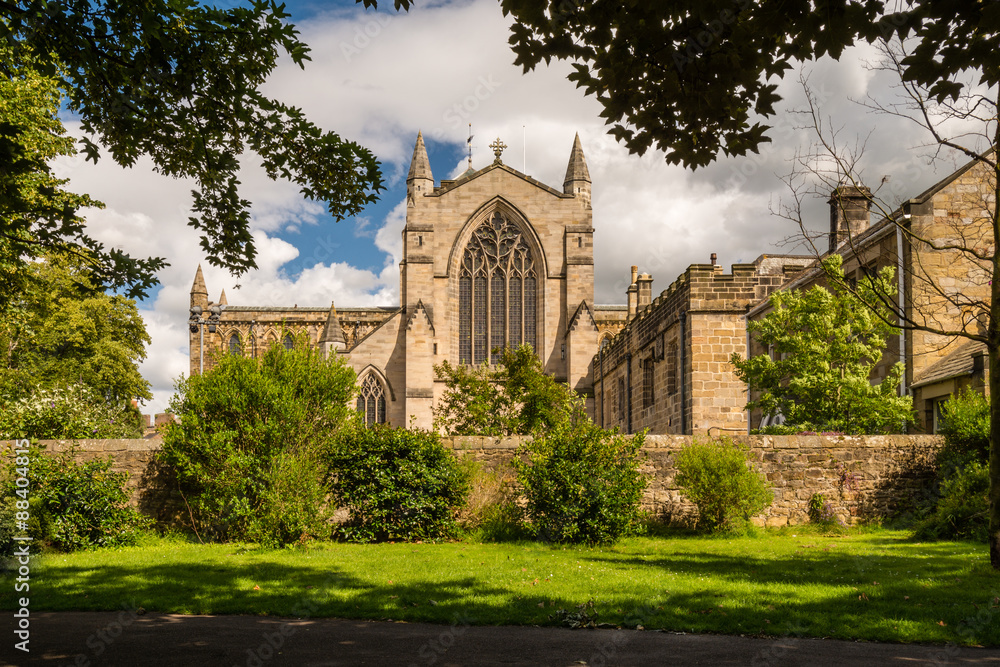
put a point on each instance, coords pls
(952, 365)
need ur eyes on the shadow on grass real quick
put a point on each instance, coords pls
(918, 593)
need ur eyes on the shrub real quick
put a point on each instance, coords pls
(962, 510)
(491, 513)
(75, 505)
(581, 483)
(396, 484)
(718, 477)
(69, 412)
(821, 513)
(249, 451)
(966, 427)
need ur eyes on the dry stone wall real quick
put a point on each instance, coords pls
(864, 477)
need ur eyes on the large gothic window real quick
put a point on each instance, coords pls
(497, 292)
(371, 400)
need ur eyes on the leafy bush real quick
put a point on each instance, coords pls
(581, 483)
(396, 484)
(74, 505)
(514, 397)
(966, 427)
(962, 510)
(69, 412)
(718, 477)
(821, 513)
(249, 450)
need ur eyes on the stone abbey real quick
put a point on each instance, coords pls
(496, 258)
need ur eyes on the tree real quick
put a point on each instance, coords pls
(514, 398)
(823, 348)
(963, 120)
(179, 82)
(253, 436)
(62, 331)
(697, 79)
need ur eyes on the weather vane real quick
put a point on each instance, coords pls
(470, 145)
(497, 147)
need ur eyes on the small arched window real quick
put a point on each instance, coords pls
(289, 342)
(371, 400)
(234, 344)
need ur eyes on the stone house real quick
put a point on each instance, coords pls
(668, 369)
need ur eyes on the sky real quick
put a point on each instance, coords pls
(380, 77)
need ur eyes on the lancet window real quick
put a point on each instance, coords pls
(371, 400)
(497, 292)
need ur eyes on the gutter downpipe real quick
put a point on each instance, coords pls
(628, 387)
(683, 341)
(600, 364)
(746, 325)
(902, 303)
(902, 306)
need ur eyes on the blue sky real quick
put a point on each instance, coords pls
(378, 78)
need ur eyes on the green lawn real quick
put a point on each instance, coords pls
(874, 585)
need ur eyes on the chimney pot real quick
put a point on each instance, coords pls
(713, 259)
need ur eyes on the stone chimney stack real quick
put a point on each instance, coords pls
(850, 210)
(632, 294)
(645, 284)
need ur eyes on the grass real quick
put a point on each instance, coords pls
(874, 585)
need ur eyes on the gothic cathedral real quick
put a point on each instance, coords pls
(493, 258)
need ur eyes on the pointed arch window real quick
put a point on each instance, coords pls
(234, 344)
(289, 342)
(497, 292)
(371, 400)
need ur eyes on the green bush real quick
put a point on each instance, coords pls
(719, 477)
(397, 484)
(821, 513)
(962, 511)
(581, 483)
(249, 451)
(68, 412)
(966, 428)
(74, 505)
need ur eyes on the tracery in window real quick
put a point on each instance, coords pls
(497, 292)
(371, 400)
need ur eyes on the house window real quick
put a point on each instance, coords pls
(647, 383)
(234, 344)
(371, 400)
(497, 292)
(672, 369)
(621, 398)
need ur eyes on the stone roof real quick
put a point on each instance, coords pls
(199, 283)
(954, 364)
(332, 333)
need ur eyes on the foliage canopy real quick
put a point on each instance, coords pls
(181, 83)
(515, 397)
(824, 347)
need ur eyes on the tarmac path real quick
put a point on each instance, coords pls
(87, 639)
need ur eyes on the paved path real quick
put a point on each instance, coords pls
(109, 638)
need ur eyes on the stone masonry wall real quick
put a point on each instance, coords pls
(864, 477)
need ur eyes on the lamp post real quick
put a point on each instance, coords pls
(196, 323)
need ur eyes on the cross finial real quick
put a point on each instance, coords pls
(497, 147)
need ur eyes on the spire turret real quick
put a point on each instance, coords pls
(420, 180)
(577, 181)
(222, 299)
(333, 336)
(199, 293)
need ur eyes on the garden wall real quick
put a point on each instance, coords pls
(864, 477)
